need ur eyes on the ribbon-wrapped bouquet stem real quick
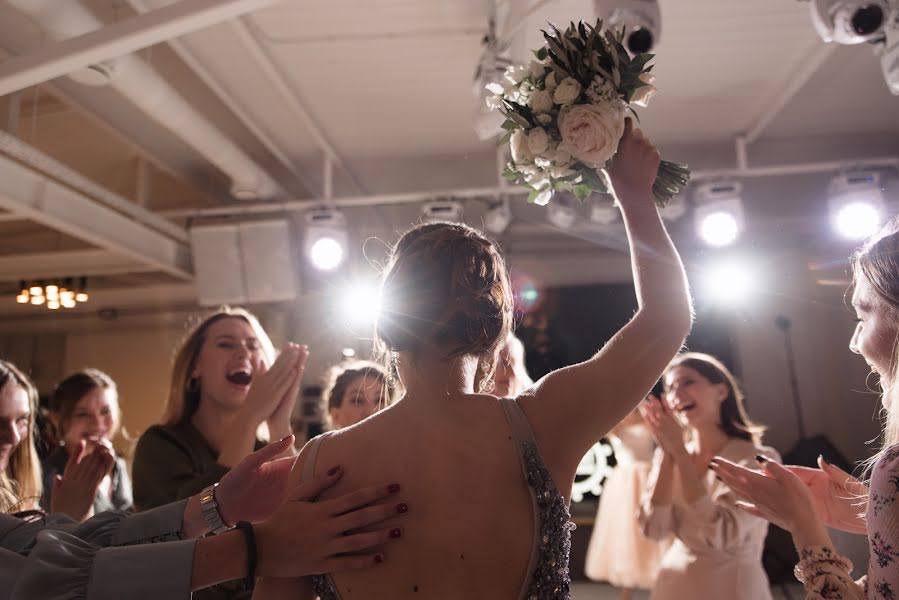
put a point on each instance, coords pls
(565, 113)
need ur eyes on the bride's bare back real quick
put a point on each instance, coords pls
(469, 529)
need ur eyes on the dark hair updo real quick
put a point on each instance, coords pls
(445, 288)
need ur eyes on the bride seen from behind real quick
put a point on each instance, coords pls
(488, 481)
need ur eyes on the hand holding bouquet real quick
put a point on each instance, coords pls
(565, 113)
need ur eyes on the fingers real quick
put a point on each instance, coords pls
(76, 454)
(266, 453)
(364, 517)
(628, 128)
(309, 490)
(360, 542)
(359, 498)
(349, 563)
(838, 475)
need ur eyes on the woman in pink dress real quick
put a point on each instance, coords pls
(717, 548)
(803, 501)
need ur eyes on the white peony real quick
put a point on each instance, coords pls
(590, 132)
(550, 82)
(521, 152)
(540, 101)
(643, 94)
(568, 91)
(538, 140)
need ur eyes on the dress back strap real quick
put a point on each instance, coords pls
(522, 433)
(518, 421)
(309, 467)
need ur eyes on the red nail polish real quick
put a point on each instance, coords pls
(395, 533)
(393, 488)
(402, 508)
(333, 471)
(379, 558)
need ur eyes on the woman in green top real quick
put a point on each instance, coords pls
(226, 384)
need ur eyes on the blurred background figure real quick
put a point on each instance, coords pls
(354, 391)
(85, 406)
(619, 552)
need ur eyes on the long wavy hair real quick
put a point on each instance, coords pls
(184, 392)
(877, 260)
(20, 482)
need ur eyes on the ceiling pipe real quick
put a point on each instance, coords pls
(140, 83)
(498, 191)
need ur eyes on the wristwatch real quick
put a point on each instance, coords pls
(210, 509)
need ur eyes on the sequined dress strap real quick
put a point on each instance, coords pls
(547, 576)
(322, 584)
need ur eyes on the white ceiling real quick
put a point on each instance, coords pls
(386, 86)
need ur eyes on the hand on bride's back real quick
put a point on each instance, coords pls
(307, 537)
(635, 166)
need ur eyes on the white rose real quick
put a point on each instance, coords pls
(538, 140)
(643, 94)
(568, 91)
(550, 82)
(540, 101)
(519, 144)
(590, 132)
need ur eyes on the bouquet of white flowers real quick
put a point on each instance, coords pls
(565, 113)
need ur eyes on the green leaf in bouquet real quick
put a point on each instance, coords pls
(540, 53)
(506, 137)
(510, 174)
(582, 29)
(557, 53)
(633, 112)
(594, 180)
(536, 193)
(519, 120)
(640, 60)
(582, 191)
(510, 125)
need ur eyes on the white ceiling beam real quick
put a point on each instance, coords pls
(774, 103)
(34, 196)
(74, 263)
(118, 39)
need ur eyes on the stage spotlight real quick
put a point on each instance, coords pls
(856, 204)
(641, 19)
(719, 213)
(498, 217)
(729, 281)
(326, 238)
(442, 210)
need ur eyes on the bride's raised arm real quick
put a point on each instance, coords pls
(571, 408)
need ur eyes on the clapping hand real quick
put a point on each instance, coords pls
(840, 499)
(74, 492)
(665, 428)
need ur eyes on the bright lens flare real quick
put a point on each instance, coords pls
(730, 282)
(719, 229)
(857, 220)
(360, 305)
(326, 254)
